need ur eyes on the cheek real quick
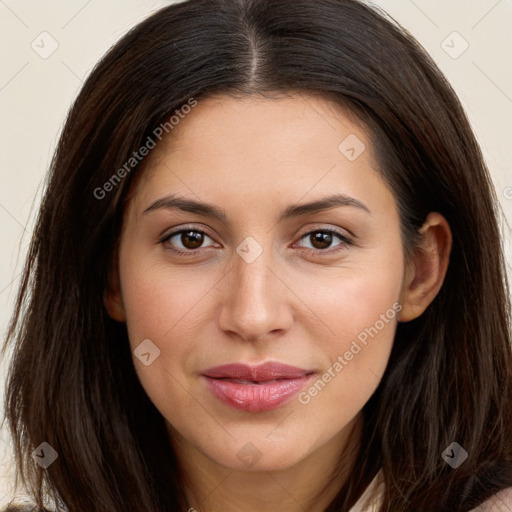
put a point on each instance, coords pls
(357, 357)
(360, 314)
(158, 301)
(162, 306)
(356, 297)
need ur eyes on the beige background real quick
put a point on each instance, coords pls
(35, 94)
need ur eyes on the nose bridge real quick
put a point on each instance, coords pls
(254, 304)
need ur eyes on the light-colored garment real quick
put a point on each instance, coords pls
(371, 499)
(501, 502)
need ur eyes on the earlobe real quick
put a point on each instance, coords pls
(114, 306)
(426, 272)
(112, 298)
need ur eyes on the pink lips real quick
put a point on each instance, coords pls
(256, 388)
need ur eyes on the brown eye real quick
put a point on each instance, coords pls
(324, 240)
(321, 239)
(186, 240)
(192, 239)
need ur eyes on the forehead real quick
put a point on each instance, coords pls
(279, 123)
(291, 145)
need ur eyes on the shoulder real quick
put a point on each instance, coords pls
(500, 502)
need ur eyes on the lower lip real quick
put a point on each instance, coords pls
(256, 397)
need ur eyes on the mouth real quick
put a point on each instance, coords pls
(256, 388)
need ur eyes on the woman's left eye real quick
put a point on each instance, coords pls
(321, 240)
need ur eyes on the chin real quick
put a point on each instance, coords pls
(259, 461)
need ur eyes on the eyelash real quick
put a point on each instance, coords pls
(345, 241)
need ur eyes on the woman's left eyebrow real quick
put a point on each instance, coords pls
(209, 210)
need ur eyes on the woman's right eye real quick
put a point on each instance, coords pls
(186, 240)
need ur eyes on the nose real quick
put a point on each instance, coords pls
(256, 303)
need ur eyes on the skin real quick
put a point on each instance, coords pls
(298, 302)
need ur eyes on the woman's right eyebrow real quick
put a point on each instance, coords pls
(297, 210)
(187, 205)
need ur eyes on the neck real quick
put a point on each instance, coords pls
(310, 484)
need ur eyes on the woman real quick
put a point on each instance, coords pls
(266, 274)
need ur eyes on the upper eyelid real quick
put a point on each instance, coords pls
(174, 232)
(332, 231)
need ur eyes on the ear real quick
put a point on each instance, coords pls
(425, 274)
(112, 298)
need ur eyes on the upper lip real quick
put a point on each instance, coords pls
(256, 373)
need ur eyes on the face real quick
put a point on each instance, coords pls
(271, 313)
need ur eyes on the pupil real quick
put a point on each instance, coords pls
(192, 239)
(321, 240)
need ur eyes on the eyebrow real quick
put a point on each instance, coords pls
(208, 210)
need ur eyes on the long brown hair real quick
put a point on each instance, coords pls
(72, 381)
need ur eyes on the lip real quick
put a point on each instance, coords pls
(256, 388)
